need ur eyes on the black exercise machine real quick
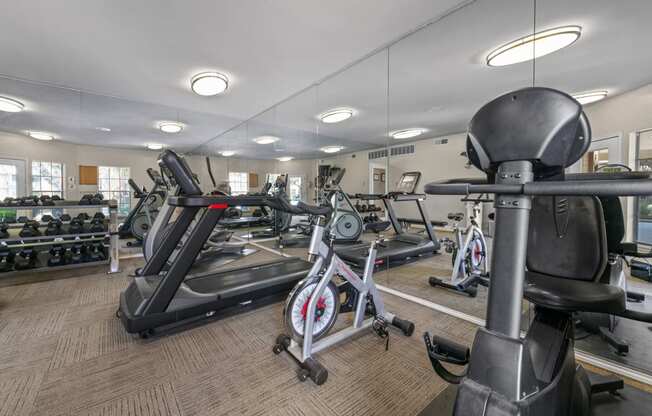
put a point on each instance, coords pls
(160, 297)
(549, 247)
(141, 217)
(403, 247)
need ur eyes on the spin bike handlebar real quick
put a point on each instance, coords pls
(282, 204)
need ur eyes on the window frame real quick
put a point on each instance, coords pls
(41, 191)
(239, 183)
(123, 193)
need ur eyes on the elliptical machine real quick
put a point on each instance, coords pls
(142, 216)
(312, 307)
(549, 247)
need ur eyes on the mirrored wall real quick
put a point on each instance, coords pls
(400, 119)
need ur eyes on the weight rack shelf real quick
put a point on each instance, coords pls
(17, 242)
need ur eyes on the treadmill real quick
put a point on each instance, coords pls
(160, 298)
(404, 247)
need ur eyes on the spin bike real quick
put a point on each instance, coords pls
(312, 307)
(469, 252)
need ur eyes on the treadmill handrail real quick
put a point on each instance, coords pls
(208, 200)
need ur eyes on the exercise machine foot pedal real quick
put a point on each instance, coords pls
(440, 349)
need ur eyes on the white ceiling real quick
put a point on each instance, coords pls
(145, 52)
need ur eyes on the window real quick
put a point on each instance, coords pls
(271, 178)
(295, 185)
(239, 182)
(47, 178)
(8, 185)
(114, 184)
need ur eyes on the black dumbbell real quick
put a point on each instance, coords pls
(46, 200)
(4, 230)
(77, 251)
(56, 198)
(46, 218)
(30, 229)
(76, 226)
(97, 225)
(65, 217)
(95, 251)
(99, 215)
(54, 227)
(27, 258)
(22, 219)
(83, 216)
(6, 259)
(57, 255)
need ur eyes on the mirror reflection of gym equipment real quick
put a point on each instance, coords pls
(344, 208)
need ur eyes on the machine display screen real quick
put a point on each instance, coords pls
(408, 182)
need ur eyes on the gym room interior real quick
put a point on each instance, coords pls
(293, 207)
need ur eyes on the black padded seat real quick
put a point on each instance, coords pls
(573, 295)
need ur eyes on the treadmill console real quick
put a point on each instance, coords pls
(408, 182)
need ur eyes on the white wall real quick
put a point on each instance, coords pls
(434, 161)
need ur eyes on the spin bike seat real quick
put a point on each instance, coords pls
(456, 216)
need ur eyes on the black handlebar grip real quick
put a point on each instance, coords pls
(404, 325)
(452, 349)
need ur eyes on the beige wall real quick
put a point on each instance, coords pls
(72, 155)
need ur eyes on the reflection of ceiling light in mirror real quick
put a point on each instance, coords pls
(104, 129)
(590, 97)
(284, 158)
(10, 105)
(534, 46)
(331, 149)
(407, 133)
(209, 83)
(170, 127)
(336, 115)
(154, 146)
(227, 153)
(39, 135)
(266, 139)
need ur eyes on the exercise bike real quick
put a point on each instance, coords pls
(469, 252)
(314, 304)
(549, 248)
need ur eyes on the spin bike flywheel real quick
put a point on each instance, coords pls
(296, 309)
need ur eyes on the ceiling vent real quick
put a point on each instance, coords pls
(440, 141)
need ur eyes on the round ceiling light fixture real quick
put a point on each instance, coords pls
(10, 105)
(39, 135)
(331, 149)
(170, 127)
(407, 133)
(155, 146)
(209, 83)
(590, 97)
(104, 129)
(266, 139)
(534, 46)
(336, 115)
(284, 158)
(227, 153)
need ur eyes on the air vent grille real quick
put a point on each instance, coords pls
(440, 141)
(377, 154)
(402, 150)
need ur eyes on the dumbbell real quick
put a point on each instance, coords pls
(83, 216)
(77, 251)
(54, 227)
(4, 230)
(22, 219)
(11, 202)
(99, 215)
(30, 229)
(56, 198)
(6, 259)
(57, 255)
(76, 226)
(46, 200)
(46, 218)
(95, 251)
(97, 225)
(27, 258)
(65, 217)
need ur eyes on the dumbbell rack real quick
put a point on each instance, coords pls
(17, 242)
